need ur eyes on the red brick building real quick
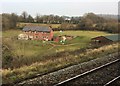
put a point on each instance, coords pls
(38, 32)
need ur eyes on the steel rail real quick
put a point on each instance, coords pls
(111, 81)
(87, 72)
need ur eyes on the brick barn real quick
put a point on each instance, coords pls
(102, 40)
(38, 32)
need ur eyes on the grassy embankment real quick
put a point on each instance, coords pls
(28, 57)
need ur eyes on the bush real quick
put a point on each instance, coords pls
(6, 58)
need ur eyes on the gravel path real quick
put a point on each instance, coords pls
(63, 74)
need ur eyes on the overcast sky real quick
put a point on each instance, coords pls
(59, 7)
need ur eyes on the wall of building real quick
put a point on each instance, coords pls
(34, 35)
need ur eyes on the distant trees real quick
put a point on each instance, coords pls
(30, 19)
(9, 21)
(13, 20)
(89, 21)
(67, 26)
(24, 16)
(38, 19)
(111, 27)
(49, 19)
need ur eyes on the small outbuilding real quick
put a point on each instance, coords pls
(102, 40)
(62, 38)
(23, 37)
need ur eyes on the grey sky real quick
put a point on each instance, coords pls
(69, 8)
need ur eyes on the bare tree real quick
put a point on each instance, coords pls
(24, 15)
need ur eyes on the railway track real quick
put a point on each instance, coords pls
(112, 81)
(86, 70)
(90, 71)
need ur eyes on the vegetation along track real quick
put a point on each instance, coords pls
(71, 81)
(56, 77)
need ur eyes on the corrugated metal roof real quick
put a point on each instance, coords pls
(37, 28)
(113, 37)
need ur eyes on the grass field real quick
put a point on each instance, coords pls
(30, 57)
(33, 50)
(21, 25)
(38, 24)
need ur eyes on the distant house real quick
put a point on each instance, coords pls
(102, 40)
(38, 32)
(23, 37)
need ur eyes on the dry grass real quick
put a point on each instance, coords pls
(39, 24)
(10, 76)
(34, 57)
(30, 51)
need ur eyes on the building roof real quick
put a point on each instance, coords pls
(113, 37)
(37, 28)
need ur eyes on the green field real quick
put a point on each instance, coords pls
(30, 57)
(33, 50)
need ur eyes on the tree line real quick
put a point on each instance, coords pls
(88, 21)
(91, 21)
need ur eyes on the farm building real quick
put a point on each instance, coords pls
(62, 37)
(102, 40)
(38, 32)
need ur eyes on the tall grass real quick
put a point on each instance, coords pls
(10, 76)
(29, 57)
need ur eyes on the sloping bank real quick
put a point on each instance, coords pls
(66, 73)
(64, 60)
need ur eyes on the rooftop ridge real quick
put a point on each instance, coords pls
(37, 28)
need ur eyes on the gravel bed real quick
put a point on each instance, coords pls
(66, 73)
(98, 78)
(115, 83)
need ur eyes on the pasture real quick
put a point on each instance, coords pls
(30, 57)
(30, 51)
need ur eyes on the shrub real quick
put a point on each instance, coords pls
(6, 58)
